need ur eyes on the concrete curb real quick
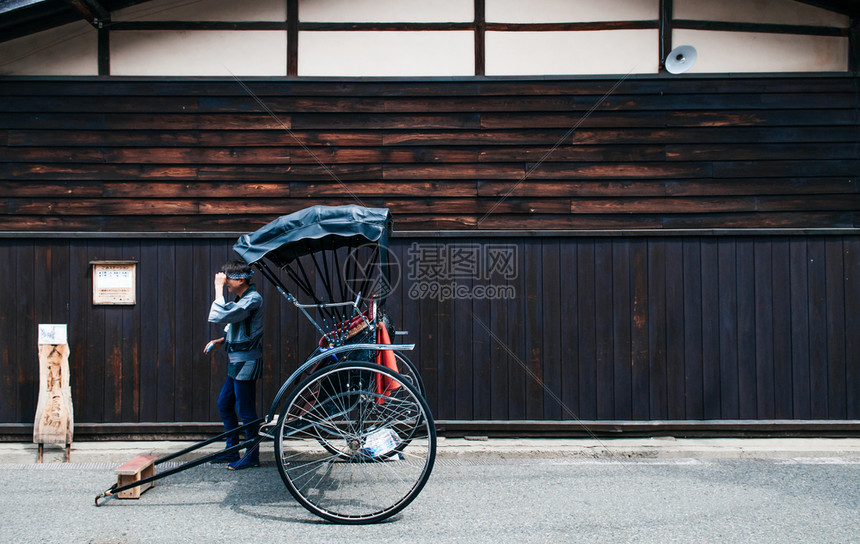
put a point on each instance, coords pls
(493, 448)
(653, 448)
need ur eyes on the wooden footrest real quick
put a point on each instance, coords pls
(135, 470)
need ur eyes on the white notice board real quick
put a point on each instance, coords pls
(114, 282)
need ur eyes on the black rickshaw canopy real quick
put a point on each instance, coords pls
(314, 229)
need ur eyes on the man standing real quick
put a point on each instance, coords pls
(242, 338)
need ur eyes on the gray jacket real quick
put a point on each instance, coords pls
(244, 330)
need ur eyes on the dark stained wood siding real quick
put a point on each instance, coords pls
(595, 328)
(613, 328)
(215, 155)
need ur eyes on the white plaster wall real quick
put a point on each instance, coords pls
(204, 10)
(72, 49)
(198, 53)
(572, 53)
(722, 52)
(786, 12)
(67, 50)
(384, 11)
(570, 11)
(386, 53)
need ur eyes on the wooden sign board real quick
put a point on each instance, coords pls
(114, 282)
(54, 420)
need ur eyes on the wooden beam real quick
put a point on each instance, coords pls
(92, 11)
(104, 51)
(806, 30)
(412, 27)
(500, 428)
(480, 38)
(854, 46)
(572, 27)
(200, 25)
(666, 10)
(292, 37)
(443, 234)
(845, 7)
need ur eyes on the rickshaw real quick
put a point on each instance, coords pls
(354, 440)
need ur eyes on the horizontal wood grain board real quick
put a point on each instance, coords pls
(139, 154)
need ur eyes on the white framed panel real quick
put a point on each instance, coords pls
(572, 53)
(204, 10)
(198, 53)
(786, 12)
(726, 52)
(570, 11)
(383, 54)
(386, 11)
(69, 50)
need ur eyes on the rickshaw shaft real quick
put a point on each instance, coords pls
(249, 444)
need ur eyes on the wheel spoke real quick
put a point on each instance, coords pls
(355, 454)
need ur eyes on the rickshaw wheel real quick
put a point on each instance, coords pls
(405, 367)
(355, 443)
(410, 372)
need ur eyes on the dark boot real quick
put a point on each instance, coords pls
(232, 440)
(252, 455)
(251, 459)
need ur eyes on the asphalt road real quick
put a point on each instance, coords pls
(466, 500)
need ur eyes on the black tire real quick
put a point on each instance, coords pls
(410, 371)
(404, 366)
(355, 443)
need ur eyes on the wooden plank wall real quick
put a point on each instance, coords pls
(647, 328)
(601, 327)
(643, 152)
(591, 328)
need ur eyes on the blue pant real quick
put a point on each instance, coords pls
(241, 394)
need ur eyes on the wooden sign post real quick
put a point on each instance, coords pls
(54, 416)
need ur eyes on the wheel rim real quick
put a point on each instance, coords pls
(356, 443)
(408, 369)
